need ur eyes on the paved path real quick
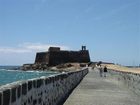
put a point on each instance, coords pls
(95, 90)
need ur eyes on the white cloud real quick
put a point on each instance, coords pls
(30, 47)
(43, 47)
(13, 50)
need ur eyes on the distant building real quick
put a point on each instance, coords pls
(56, 56)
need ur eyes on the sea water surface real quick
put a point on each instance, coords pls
(9, 76)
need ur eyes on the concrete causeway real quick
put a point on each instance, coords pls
(96, 90)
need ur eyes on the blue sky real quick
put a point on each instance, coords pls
(109, 28)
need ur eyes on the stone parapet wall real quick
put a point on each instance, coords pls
(52, 90)
(132, 80)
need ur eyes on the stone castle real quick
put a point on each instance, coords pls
(56, 56)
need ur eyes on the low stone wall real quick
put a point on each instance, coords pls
(51, 90)
(132, 80)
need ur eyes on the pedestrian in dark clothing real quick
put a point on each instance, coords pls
(105, 71)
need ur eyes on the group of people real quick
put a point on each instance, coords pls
(103, 71)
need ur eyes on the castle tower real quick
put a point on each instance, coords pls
(83, 47)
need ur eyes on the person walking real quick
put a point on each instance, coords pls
(105, 71)
(101, 71)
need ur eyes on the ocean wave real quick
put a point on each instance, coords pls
(9, 76)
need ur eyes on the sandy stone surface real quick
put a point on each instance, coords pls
(122, 68)
(67, 67)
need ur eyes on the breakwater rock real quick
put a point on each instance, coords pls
(51, 90)
(66, 67)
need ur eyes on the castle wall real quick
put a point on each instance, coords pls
(42, 57)
(56, 58)
(84, 56)
(51, 90)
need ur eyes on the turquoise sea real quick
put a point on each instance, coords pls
(7, 75)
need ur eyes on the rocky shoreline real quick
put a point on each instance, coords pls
(66, 67)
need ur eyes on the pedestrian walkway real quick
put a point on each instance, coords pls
(96, 90)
